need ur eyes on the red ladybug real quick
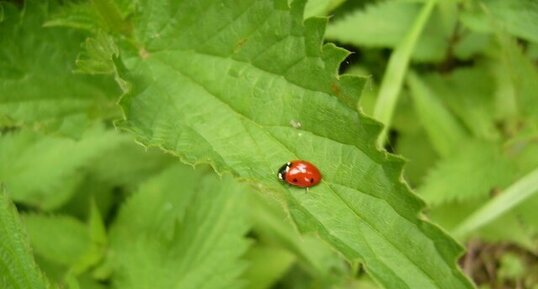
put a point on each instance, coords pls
(299, 173)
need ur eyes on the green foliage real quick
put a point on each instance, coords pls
(313, 255)
(511, 267)
(320, 7)
(523, 77)
(469, 94)
(520, 18)
(183, 229)
(17, 265)
(27, 157)
(237, 88)
(39, 89)
(444, 131)
(61, 239)
(266, 266)
(196, 76)
(369, 27)
(517, 193)
(471, 172)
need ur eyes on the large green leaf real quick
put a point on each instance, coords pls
(17, 266)
(247, 87)
(181, 230)
(38, 87)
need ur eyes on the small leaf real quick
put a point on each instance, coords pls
(442, 128)
(420, 155)
(39, 88)
(511, 267)
(27, 159)
(97, 233)
(469, 93)
(519, 17)
(128, 164)
(97, 55)
(471, 172)
(266, 266)
(182, 229)
(61, 239)
(523, 74)
(17, 266)
(385, 24)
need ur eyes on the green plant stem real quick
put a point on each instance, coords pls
(396, 69)
(514, 195)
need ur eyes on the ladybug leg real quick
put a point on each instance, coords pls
(307, 189)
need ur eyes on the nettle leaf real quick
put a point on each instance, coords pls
(443, 130)
(247, 87)
(469, 93)
(267, 265)
(113, 172)
(44, 171)
(17, 265)
(471, 172)
(272, 226)
(386, 23)
(183, 229)
(420, 155)
(129, 164)
(519, 17)
(38, 87)
(61, 239)
(523, 75)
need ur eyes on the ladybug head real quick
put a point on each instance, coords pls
(283, 170)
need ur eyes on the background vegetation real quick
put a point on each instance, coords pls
(140, 141)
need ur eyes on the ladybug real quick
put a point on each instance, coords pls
(299, 173)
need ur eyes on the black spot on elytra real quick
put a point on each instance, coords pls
(294, 180)
(311, 180)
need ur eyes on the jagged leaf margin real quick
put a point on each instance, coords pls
(17, 265)
(261, 50)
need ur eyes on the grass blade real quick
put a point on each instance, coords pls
(513, 196)
(396, 69)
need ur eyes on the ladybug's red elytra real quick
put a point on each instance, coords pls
(299, 173)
